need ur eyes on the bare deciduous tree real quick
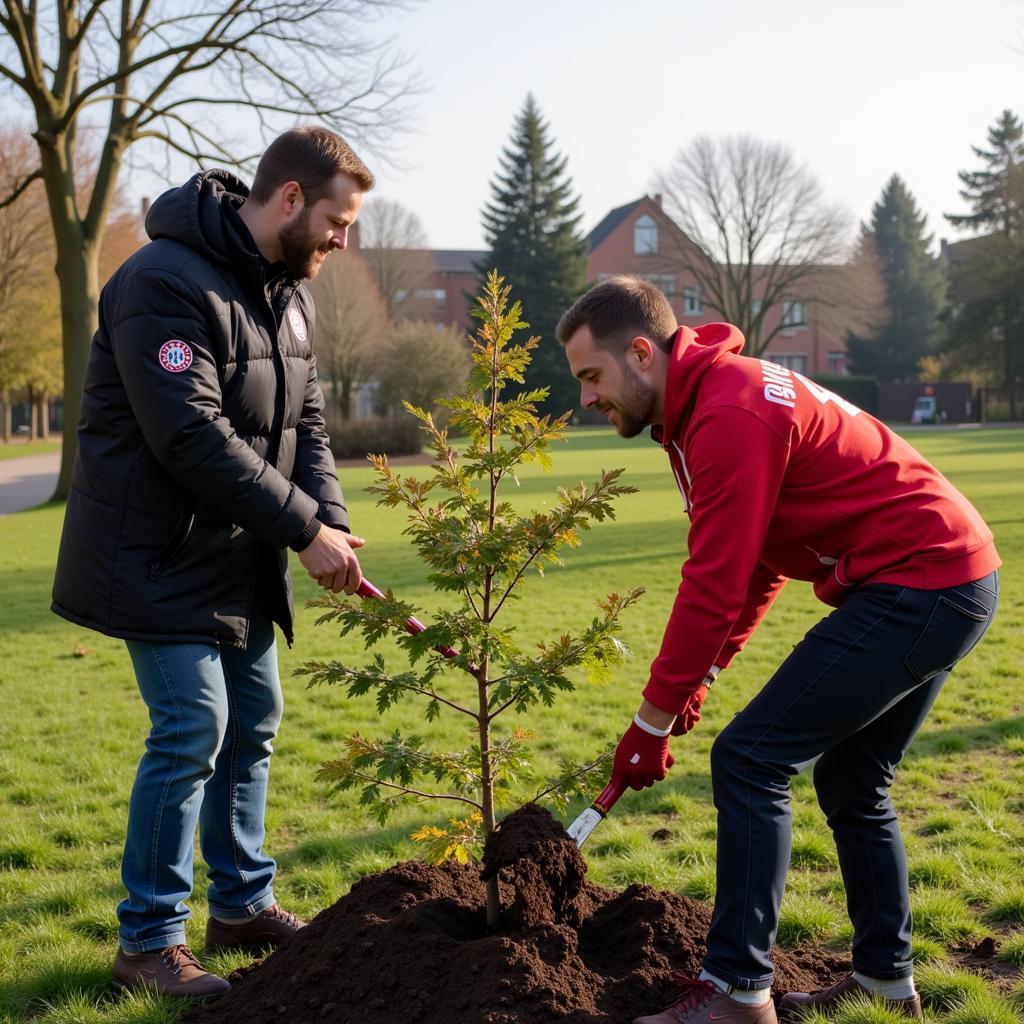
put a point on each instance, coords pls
(758, 233)
(167, 71)
(394, 246)
(351, 327)
(25, 272)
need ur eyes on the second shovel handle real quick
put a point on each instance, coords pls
(412, 624)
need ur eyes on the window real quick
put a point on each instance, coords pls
(793, 315)
(645, 236)
(665, 283)
(837, 364)
(691, 302)
(436, 295)
(797, 363)
(755, 306)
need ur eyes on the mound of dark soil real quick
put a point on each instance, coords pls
(411, 945)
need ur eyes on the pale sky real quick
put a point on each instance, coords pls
(857, 90)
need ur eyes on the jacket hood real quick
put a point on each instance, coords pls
(694, 352)
(196, 214)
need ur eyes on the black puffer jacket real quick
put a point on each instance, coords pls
(202, 450)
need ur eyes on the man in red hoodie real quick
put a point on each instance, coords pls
(783, 479)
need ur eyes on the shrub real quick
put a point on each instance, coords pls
(374, 435)
(862, 391)
(422, 364)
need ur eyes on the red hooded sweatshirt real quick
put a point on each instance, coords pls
(783, 479)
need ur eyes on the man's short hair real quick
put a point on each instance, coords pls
(313, 157)
(619, 309)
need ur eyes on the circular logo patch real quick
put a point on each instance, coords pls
(175, 356)
(295, 318)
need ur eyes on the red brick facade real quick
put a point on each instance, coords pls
(639, 238)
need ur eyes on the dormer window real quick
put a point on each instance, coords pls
(645, 236)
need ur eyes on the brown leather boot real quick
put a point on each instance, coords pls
(848, 988)
(266, 930)
(700, 1002)
(172, 971)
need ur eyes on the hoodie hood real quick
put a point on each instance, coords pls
(694, 352)
(200, 214)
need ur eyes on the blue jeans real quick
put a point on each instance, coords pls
(214, 714)
(848, 700)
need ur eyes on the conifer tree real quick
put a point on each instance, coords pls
(996, 193)
(531, 226)
(914, 287)
(986, 322)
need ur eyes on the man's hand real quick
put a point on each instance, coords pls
(641, 759)
(690, 715)
(331, 560)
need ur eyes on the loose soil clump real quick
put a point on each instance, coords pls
(411, 944)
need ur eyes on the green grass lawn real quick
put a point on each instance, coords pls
(72, 730)
(19, 449)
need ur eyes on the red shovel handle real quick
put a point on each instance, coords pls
(412, 624)
(608, 796)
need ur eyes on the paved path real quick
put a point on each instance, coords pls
(27, 481)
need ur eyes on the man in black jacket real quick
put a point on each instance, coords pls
(202, 458)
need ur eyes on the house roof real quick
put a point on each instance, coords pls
(962, 249)
(458, 261)
(610, 222)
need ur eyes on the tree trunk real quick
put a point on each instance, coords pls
(33, 414)
(1010, 344)
(77, 241)
(78, 272)
(345, 399)
(43, 416)
(5, 413)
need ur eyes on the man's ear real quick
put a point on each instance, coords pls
(291, 198)
(641, 350)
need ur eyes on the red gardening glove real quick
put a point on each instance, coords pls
(640, 759)
(690, 715)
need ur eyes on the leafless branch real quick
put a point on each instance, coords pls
(755, 230)
(20, 187)
(394, 245)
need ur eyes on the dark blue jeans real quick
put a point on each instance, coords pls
(848, 700)
(214, 712)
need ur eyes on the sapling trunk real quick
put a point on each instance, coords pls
(487, 790)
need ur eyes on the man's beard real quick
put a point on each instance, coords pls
(636, 406)
(299, 250)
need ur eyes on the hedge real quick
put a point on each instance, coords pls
(379, 435)
(862, 391)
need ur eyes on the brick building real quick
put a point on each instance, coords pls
(640, 238)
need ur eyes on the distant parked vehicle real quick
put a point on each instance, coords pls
(925, 410)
